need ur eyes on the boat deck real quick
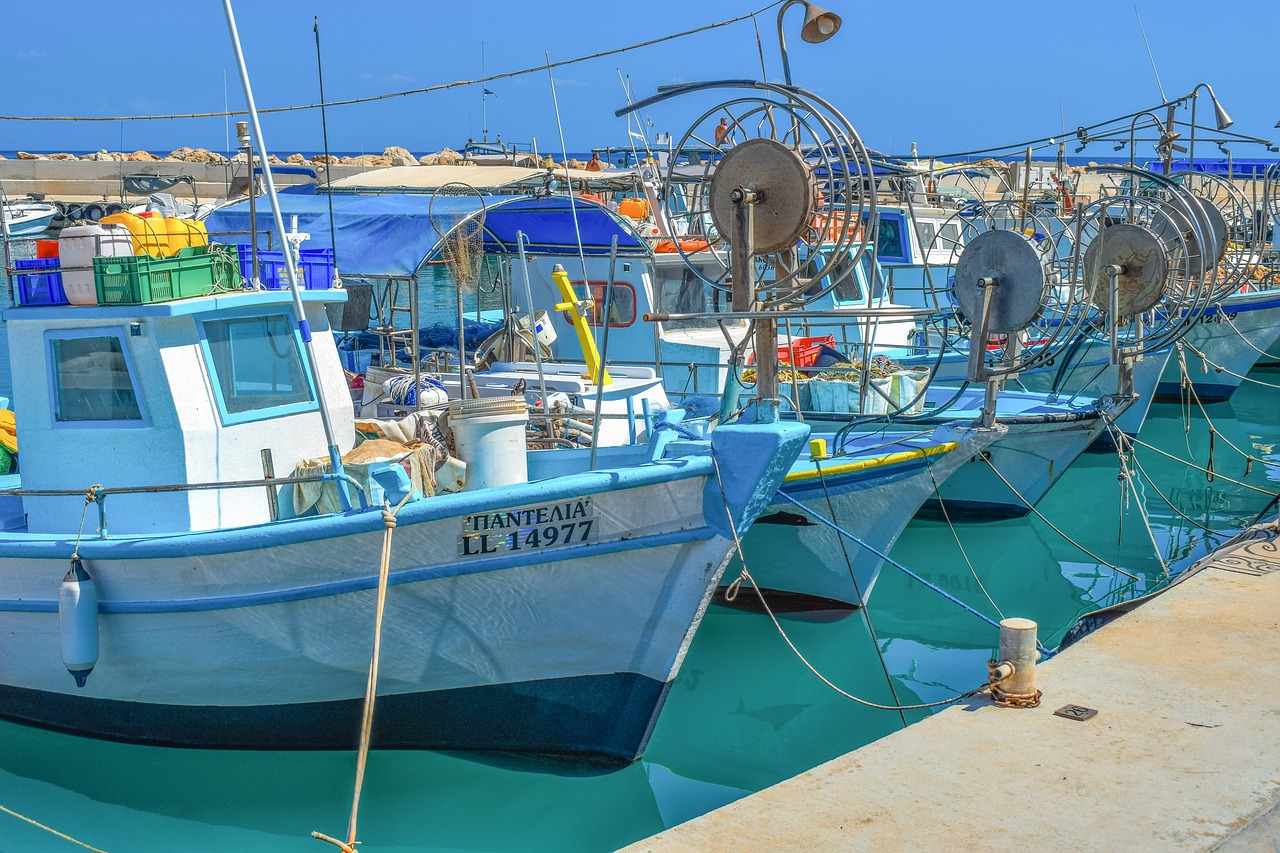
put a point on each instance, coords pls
(1184, 752)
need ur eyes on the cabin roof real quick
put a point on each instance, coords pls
(393, 235)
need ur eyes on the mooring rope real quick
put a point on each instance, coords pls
(1213, 431)
(1222, 369)
(371, 685)
(914, 576)
(50, 830)
(1224, 315)
(737, 542)
(1055, 527)
(955, 534)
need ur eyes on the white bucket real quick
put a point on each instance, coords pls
(78, 246)
(489, 435)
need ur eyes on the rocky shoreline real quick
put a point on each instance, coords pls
(391, 156)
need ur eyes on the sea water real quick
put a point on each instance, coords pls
(743, 714)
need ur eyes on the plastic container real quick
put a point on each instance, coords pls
(39, 282)
(185, 233)
(488, 435)
(634, 208)
(315, 268)
(78, 246)
(804, 350)
(148, 230)
(46, 248)
(142, 280)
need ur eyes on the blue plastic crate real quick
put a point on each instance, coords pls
(315, 267)
(41, 284)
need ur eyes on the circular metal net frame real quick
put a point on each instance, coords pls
(841, 179)
(461, 230)
(1064, 308)
(1174, 216)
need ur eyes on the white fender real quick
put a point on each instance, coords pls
(78, 622)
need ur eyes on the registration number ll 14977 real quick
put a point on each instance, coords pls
(530, 528)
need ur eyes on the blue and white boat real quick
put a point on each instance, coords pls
(26, 218)
(544, 617)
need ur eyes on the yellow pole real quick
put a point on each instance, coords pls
(578, 314)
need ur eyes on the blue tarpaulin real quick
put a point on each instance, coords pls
(1242, 168)
(392, 236)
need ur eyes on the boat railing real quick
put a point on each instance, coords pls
(98, 494)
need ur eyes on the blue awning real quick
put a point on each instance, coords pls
(392, 236)
(1241, 168)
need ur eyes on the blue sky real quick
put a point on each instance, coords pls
(948, 75)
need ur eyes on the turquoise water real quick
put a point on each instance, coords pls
(743, 714)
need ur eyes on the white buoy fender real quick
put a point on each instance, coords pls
(78, 622)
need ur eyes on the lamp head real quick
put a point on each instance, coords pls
(242, 132)
(819, 24)
(1220, 115)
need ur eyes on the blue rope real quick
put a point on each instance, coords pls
(1046, 653)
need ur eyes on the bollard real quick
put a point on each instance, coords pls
(1017, 647)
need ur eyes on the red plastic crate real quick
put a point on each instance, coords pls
(806, 350)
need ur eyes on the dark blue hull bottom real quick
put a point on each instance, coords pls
(1104, 443)
(1171, 392)
(583, 724)
(970, 511)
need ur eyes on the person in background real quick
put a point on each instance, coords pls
(595, 164)
(724, 136)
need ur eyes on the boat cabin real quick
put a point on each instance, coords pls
(184, 392)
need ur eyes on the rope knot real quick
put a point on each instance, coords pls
(93, 494)
(389, 519)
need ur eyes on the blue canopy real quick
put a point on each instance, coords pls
(1242, 168)
(392, 236)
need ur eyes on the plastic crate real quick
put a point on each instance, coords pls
(315, 268)
(142, 280)
(806, 350)
(41, 284)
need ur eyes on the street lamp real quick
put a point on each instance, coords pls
(1220, 117)
(819, 25)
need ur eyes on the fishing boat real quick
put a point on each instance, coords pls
(25, 218)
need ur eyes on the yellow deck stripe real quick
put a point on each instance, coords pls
(877, 462)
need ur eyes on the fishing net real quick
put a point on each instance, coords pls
(457, 213)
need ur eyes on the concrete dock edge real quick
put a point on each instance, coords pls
(1184, 753)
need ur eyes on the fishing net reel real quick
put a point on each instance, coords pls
(1010, 286)
(1149, 257)
(810, 182)
(789, 180)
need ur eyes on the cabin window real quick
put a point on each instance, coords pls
(92, 380)
(622, 310)
(890, 241)
(256, 366)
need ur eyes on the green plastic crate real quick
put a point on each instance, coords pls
(142, 280)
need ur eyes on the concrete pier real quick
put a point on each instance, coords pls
(1184, 753)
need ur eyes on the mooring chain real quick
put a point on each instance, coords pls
(1008, 698)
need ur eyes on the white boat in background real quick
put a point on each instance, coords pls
(27, 218)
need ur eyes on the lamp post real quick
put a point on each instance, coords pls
(1220, 117)
(819, 25)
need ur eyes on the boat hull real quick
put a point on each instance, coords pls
(261, 638)
(803, 566)
(1232, 337)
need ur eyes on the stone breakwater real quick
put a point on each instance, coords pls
(391, 156)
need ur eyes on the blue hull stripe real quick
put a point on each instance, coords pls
(597, 722)
(349, 585)
(313, 528)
